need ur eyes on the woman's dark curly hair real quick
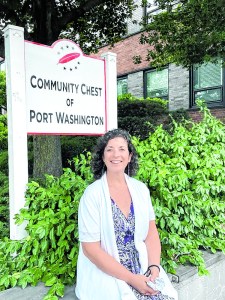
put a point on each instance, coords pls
(97, 163)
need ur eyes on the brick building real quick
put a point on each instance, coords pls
(180, 86)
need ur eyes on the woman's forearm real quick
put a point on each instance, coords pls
(153, 244)
(105, 262)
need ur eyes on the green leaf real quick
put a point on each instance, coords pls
(50, 297)
(41, 232)
(51, 281)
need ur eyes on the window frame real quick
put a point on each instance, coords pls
(209, 104)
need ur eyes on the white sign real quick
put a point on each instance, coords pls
(65, 90)
(52, 90)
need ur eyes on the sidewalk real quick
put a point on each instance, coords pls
(34, 293)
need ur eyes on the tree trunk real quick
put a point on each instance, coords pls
(47, 156)
(47, 149)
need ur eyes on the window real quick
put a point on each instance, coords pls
(152, 8)
(121, 86)
(207, 82)
(156, 84)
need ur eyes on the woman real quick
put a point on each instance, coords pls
(117, 231)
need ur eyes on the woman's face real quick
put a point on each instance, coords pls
(116, 155)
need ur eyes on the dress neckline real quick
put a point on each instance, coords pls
(131, 211)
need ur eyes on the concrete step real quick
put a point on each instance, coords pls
(34, 293)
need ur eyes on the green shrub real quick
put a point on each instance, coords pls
(4, 161)
(3, 133)
(73, 146)
(4, 217)
(142, 108)
(2, 90)
(49, 252)
(4, 206)
(175, 117)
(185, 173)
(127, 96)
(140, 117)
(4, 189)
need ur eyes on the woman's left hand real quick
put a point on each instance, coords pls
(154, 274)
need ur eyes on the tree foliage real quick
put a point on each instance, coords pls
(186, 33)
(2, 90)
(90, 24)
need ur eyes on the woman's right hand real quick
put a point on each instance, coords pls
(139, 282)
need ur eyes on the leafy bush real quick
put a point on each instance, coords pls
(4, 206)
(175, 117)
(73, 146)
(142, 108)
(140, 117)
(49, 252)
(185, 172)
(3, 132)
(2, 90)
(127, 96)
(4, 198)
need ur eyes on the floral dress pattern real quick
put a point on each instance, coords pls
(124, 231)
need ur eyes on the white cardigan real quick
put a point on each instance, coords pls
(96, 224)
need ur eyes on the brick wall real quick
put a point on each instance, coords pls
(126, 50)
(216, 112)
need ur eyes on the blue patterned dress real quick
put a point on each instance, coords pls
(124, 230)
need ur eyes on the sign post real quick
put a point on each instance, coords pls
(17, 132)
(52, 90)
(111, 91)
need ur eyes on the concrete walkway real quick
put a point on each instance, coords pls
(34, 293)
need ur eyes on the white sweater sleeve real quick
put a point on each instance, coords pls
(89, 217)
